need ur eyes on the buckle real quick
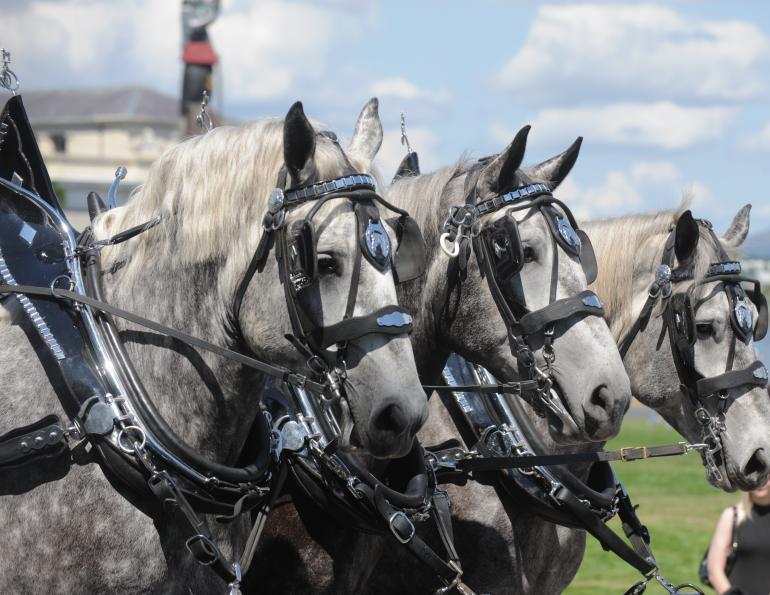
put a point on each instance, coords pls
(396, 531)
(203, 549)
(633, 453)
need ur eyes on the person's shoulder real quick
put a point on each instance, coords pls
(727, 514)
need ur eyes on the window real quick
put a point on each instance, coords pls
(59, 142)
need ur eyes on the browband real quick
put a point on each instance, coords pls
(492, 204)
(319, 189)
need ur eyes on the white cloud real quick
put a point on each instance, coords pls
(662, 125)
(643, 186)
(74, 44)
(401, 88)
(636, 52)
(422, 140)
(265, 47)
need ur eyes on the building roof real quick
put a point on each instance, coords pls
(101, 105)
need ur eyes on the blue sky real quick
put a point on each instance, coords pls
(669, 96)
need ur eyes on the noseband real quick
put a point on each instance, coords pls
(499, 253)
(709, 396)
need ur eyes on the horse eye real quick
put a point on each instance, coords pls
(705, 329)
(327, 265)
(529, 254)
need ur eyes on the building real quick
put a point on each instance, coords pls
(85, 134)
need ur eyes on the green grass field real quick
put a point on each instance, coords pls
(675, 502)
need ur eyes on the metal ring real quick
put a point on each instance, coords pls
(70, 282)
(124, 432)
(276, 226)
(453, 252)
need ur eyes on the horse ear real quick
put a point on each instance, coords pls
(367, 136)
(500, 175)
(686, 237)
(739, 228)
(554, 170)
(298, 140)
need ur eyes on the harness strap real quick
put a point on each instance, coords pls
(44, 437)
(635, 453)
(585, 303)
(642, 559)
(200, 543)
(390, 320)
(404, 532)
(509, 388)
(753, 375)
(283, 374)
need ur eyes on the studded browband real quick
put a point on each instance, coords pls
(492, 204)
(319, 189)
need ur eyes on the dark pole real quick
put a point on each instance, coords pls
(198, 56)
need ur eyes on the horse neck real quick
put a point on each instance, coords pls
(208, 400)
(423, 296)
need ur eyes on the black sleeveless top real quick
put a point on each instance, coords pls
(751, 572)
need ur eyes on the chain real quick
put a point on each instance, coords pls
(203, 119)
(8, 78)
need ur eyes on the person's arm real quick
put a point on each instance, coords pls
(719, 550)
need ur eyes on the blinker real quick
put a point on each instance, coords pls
(504, 247)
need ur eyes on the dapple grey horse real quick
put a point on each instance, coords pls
(465, 319)
(78, 534)
(506, 549)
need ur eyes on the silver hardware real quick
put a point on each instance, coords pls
(276, 201)
(135, 445)
(743, 315)
(235, 586)
(32, 313)
(203, 119)
(567, 232)
(396, 533)
(404, 139)
(663, 279)
(761, 373)
(293, 435)
(120, 174)
(8, 78)
(394, 319)
(17, 179)
(593, 301)
(377, 242)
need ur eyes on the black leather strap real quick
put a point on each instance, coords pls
(390, 320)
(585, 303)
(750, 376)
(636, 453)
(44, 437)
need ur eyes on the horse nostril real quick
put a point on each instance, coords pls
(756, 465)
(391, 418)
(599, 397)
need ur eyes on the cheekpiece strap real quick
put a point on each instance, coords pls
(528, 192)
(319, 189)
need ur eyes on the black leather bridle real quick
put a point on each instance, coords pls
(708, 395)
(499, 254)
